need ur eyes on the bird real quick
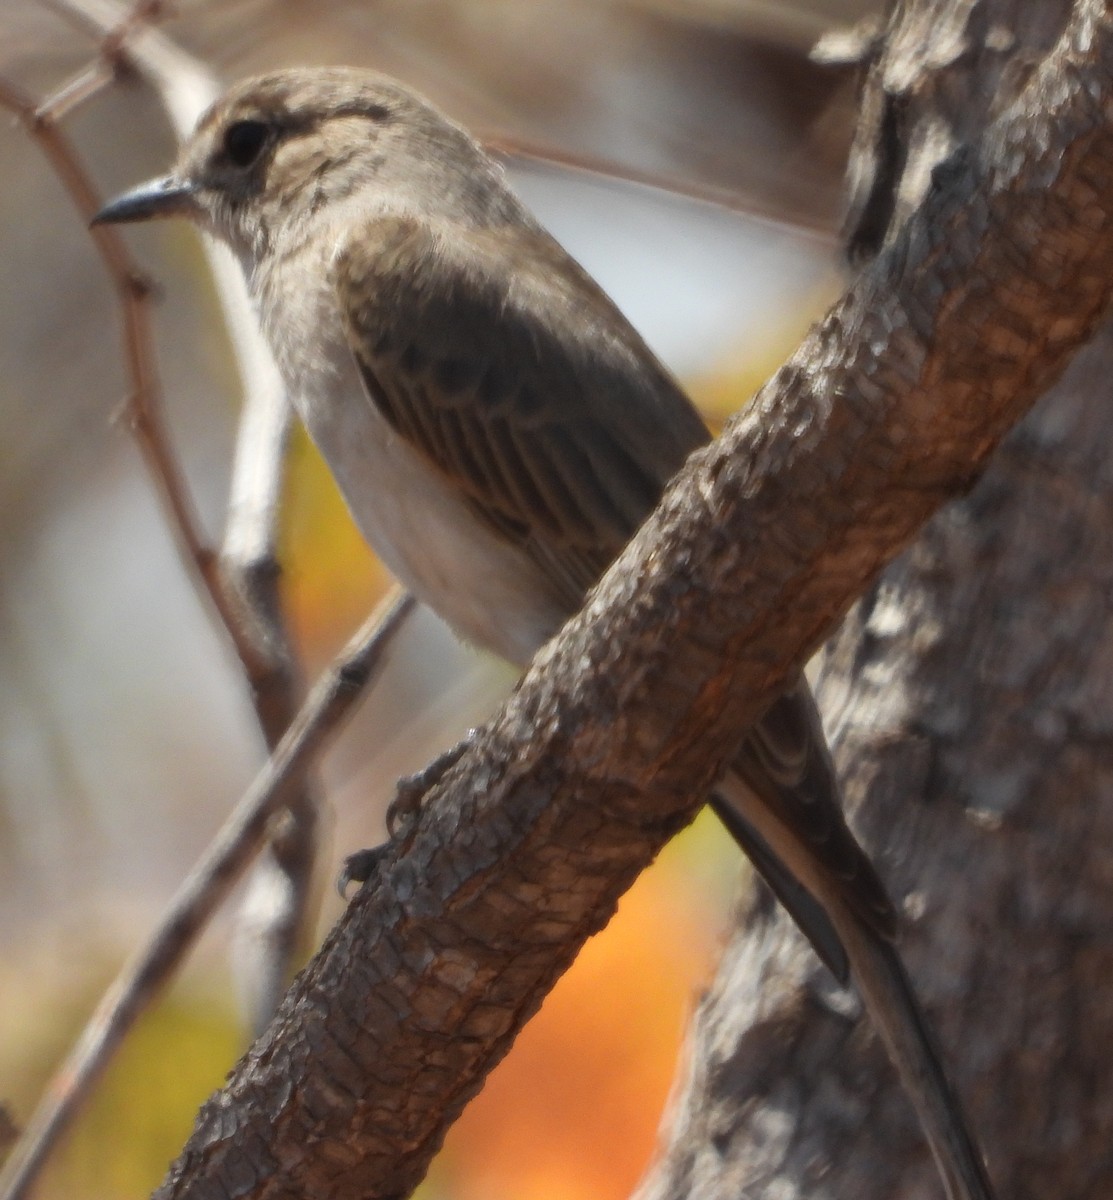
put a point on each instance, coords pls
(499, 431)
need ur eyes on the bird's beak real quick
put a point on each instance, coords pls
(167, 196)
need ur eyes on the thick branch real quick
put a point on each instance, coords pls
(622, 724)
(968, 701)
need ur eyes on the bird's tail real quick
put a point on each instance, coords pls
(852, 941)
(781, 803)
(887, 993)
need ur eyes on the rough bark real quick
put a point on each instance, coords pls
(620, 726)
(941, 71)
(970, 699)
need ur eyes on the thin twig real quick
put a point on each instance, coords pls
(142, 410)
(249, 566)
(141, 980)
(243, 585)
(86, 84)
(514, 148)
(140, 13)
(275, 908)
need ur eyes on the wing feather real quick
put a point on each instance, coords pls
(506, 366)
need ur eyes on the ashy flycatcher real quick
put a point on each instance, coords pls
(499, 432)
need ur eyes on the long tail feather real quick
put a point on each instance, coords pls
(886, 991)
(844, 930)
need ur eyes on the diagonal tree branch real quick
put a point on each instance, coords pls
(145, 975)
(890, 406)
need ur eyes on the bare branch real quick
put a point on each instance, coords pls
(142, 410)
(243, 585)
(273, 914)
(88, 83)
(512, 148)
(237, 843)
(279, 899)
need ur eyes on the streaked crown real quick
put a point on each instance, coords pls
(281, 153)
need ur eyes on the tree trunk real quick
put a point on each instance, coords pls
(969, 697)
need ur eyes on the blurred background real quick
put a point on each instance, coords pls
(125, 730)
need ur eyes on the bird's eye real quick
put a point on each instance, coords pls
(244, 141)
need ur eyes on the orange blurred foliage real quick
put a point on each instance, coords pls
(331, 580)
(572, 1113)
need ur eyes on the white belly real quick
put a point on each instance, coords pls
(487, 590)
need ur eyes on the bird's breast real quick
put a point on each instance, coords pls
(485, 588)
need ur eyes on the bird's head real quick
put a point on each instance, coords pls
(281, 152)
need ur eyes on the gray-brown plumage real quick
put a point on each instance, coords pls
(499, 432)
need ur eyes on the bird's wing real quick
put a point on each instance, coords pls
(785, 760)
(498, 358)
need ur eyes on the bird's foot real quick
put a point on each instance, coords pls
(358, 868)
(401, 815)
(411, 790)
